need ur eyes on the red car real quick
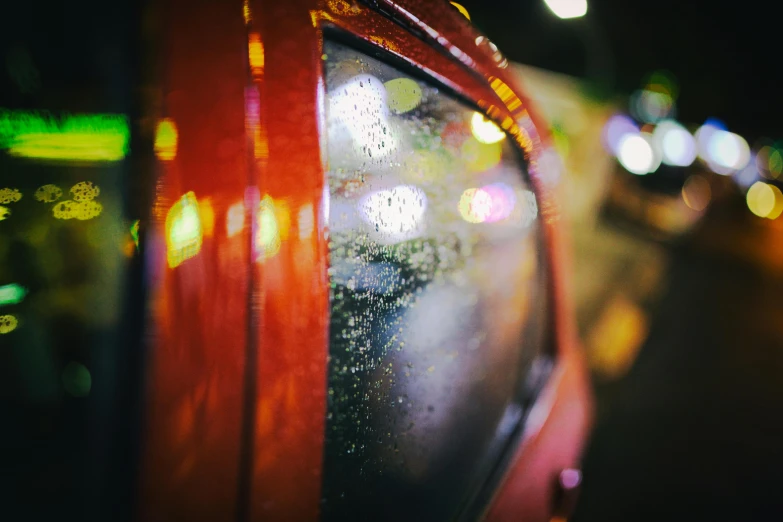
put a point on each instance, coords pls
(279, 261)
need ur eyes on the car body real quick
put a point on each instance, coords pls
(211, 394)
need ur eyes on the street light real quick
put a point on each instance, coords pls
(567, 8)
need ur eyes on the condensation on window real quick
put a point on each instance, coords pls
(437, 300)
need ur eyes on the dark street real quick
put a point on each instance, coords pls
(692, 431)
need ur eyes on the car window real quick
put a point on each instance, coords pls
(66, 247)
(438, 301)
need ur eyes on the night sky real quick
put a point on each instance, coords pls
(727, 56)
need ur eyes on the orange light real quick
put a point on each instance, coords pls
(255, 50)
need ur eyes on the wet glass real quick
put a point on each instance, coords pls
(438, 305)
(68, 358)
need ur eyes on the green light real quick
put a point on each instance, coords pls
(77, 379)
(134, 232)
(94, 137)
(12, 294)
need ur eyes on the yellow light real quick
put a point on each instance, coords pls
(4, 213)
(166, 137)
(402, 95)
(48, 193)
(9, 195)
(255, 49)
(184, 234)
(461, 9)
(485, 130)
(762, 199)
(235, 219)
(246, 14)
(268, 236)
(778, 209)
(481, 156)
(8, 324)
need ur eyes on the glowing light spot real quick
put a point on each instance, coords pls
(762, 199)
(306, 220)
(246, 13)
(81, 210)
(403, 95)
(268, 239)
(727, 150)
(166, 137)
(461, 9)
(677, 145)
(696, 192)
(76, 379)
(90, 138)
(475, 205)
(85, 191)
(747, 176)
(484, 130)
(615, 129)
(12, 294)
(134, 232)
(48, 193)
(5, 213)
(481, 156)
(235, 219)
(566, 9)
(207, 215)
(255, 50)
(396, 214)
(8, 324)
(650, 106)
(9, 195)
(635, 153)
(359, 107)
(184, 234)
(344, 8)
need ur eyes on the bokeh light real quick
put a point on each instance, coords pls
(235, 219)
(484, 130)
(268, 237)
(650, 106)
(166, 137)
(635, 153)
(676, 144)
(480, 157)
(360, 106)
(765, 200)
(566, 9)
(616, 127)
(696, 192)
(403, 95)
(12, 294)
(488, 204)
(183, 230)
(8, 323)
(397, 214)
(728, 150)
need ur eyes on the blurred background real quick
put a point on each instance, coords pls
(668, 118)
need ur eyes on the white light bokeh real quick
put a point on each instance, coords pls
(567, 8)
(615, 129)
(395, 214)
(677, 145)
(636, 154)
(485, 130)
(360, 106)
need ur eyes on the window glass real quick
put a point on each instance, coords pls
(437, 294)
(66, 248)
